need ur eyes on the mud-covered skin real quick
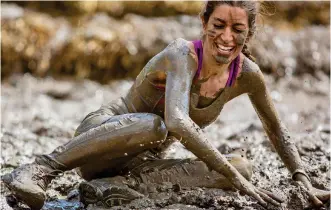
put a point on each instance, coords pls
(240, 39)
(251, 79)
(107, 135)
(182, 116)
(188, 172)
(179, 172)
(174, 68)
(119, 137)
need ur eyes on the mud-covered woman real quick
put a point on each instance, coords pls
(180, 90)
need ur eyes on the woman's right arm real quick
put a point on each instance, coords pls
(180, 68)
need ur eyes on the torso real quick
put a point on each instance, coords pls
(207, 97)
(211, 88)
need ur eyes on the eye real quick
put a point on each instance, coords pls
(238, 30)
(218, 26)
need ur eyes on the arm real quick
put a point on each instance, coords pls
(276, 131)
(180, 73)
(178, 85)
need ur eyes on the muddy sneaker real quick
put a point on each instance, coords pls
(103, 193)
(28, 183)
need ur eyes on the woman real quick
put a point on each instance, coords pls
(179, 91)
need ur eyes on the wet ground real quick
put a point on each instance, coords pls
(38, 115)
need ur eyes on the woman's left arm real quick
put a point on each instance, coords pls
(277, 132)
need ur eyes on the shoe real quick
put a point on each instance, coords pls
(29, 182)
(103, 192)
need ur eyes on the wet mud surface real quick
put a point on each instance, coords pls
(38, 115)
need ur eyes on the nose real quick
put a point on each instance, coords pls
(226, 36)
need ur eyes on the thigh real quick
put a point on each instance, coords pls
(184, 172)
(92, 120)
(187, 172)
(132, 130)
(104, 167)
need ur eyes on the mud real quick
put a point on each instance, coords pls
(40, 114)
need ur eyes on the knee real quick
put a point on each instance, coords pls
(92, 120)
(153, 125)
(159, 128)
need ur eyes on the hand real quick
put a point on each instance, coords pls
(322, 195)
(262, 196)
(317, 196)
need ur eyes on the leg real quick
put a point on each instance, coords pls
(118, 136)
(184, 172)
(192, 173)
(109, 167)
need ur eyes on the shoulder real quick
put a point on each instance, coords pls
(251, 77)
(248, 65)
(179, 44)
(180, 55)
(181, 47)
(176, 50)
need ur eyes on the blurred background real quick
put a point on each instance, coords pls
(103, 41)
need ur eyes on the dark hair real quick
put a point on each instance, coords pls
(251, 7)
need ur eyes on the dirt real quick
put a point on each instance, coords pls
(40, 114)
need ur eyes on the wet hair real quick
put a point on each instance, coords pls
(251, 8)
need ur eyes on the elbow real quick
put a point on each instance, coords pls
(176, 123)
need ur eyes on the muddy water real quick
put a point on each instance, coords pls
(39, 114)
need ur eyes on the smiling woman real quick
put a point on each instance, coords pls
(238, 17)
(179, 91)
(226, 33)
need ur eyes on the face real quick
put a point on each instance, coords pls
(226, 32)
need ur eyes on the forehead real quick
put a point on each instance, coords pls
(230, 14)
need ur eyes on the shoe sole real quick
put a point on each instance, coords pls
(89, 194)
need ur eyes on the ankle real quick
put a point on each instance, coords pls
(50, 162)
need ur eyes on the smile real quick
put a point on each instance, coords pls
(223, 49)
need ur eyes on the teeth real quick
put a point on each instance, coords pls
(224, 48)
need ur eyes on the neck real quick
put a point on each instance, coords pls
(210, 67)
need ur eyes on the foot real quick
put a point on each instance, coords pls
(28, 184)
(102, 192)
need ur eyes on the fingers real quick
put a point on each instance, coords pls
(315, 200)
(259, 199)
(267, 198)
(323, 195)
(273, 196)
